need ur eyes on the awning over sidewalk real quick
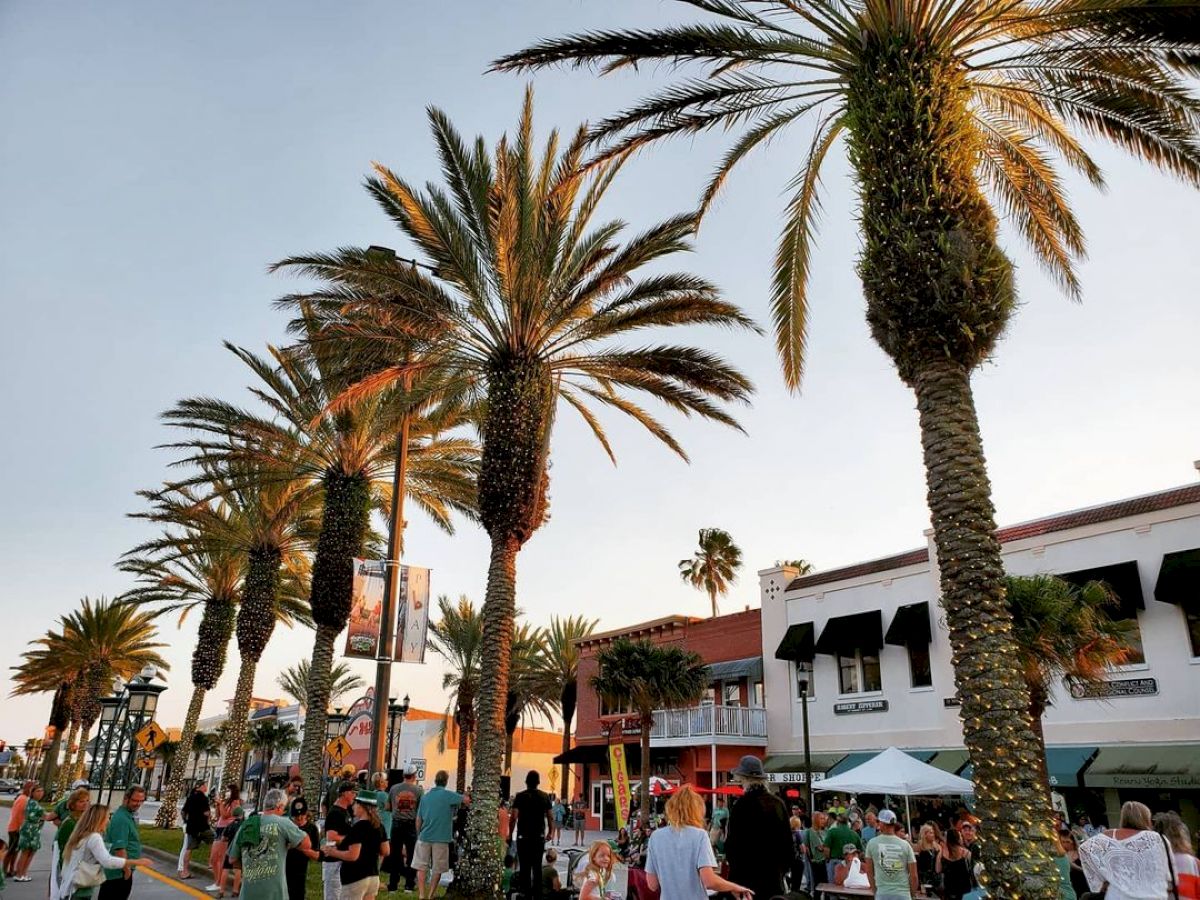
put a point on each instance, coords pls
(583, 753)
(951, 761)
(1146, 766)
(859, 757)
(822, 761)
(1064, 765)
(1122, 578)
(1179, 578)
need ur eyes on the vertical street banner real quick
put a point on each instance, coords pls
(412, 616)
(622, 793)
(366, 606)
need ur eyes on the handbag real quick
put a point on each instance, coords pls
(88, 872)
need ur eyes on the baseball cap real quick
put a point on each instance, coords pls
(299, 807)
(886, 817)
(849, 848)
(410, 769)
(79, 783)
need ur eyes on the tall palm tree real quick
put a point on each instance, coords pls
(560, 674)
(528, 695)
(949, 110)
(714, 566)
(457, 637)
(166, 753)
(40, 674)
(643, 677)
(525, 300)
(347, 455)
(260, 511)
(193, 574)
(97, 642)
(294, 681)
(1063, 631)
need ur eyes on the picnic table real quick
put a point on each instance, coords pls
(829, 889)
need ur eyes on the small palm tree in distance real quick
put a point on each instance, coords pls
(714, 566)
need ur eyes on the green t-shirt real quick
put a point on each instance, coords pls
(816, 840)
(62, 836)
(60, 808)
(436, 813)
(122, 834)
(385, 814)
(836, 839)
(264, 873)
(890, 858)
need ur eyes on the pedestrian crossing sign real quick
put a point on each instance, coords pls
(338, 748)
(151, 736)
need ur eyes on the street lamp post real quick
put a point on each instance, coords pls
(396, 713)
(122, 716)
(802, 684)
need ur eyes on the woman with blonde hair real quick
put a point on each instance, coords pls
(85, 857)
(680, 862)
(1130, 862)
(75, 806)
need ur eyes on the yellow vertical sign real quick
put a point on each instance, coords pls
(622, 794)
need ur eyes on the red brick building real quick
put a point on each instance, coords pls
(694, 744)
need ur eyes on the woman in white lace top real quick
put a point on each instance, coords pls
(1131, 861)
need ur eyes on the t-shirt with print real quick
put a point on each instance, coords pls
(675, 856)
(405, 799)
(264, 871)
(369, 837)
(890, 858)
(122, 834)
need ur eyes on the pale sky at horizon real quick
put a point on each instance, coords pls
(155, 158)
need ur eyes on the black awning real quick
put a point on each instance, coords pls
(845, 634)
(797, 643)
(910, 626)
(583, 753)
(1122, 579)
(1179, 578)
(733, 669)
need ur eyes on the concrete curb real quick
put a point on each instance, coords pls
(172, 860)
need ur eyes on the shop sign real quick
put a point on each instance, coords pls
(860, 706)
(951, 702)
(1122, 687)
(1147, 780)
(792, 777)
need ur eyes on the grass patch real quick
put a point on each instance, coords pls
(167, 839)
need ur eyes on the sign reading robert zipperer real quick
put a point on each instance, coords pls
(1122, 687)
(860, 706)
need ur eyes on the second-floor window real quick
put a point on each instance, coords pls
(920, 670)
(613, 709)
(804, 672)
(1191, 613)
(858, 672)
(731, 694)
(760, 695)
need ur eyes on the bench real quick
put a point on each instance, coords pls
(829, 889)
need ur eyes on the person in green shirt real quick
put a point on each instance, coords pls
(382, 803)
(716, 829)
(74, 805)
(891, 864)
(124, 840)
(814, 840)
(837, 837)
(260, 849)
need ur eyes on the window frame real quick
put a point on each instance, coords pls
(860, 668)
(912, 671)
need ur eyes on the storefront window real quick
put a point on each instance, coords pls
(919, 668)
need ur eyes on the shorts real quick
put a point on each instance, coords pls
(434, 856)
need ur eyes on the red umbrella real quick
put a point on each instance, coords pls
(729, 790)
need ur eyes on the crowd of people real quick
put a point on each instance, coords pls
(754, 846)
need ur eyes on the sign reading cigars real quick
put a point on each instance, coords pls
(622, 792)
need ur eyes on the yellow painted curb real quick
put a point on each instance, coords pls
(178, 885)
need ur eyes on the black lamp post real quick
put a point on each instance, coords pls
(122, 716)
(802, 684)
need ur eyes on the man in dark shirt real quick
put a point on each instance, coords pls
(404, 797)
(530, 820)
(759, 841)
(337, 826)
(195, 822)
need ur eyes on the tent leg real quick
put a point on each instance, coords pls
(907, 815)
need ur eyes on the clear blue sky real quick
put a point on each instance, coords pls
(155, 157)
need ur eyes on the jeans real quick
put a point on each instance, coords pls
(530, 851)
(404, 837)
(331, 879)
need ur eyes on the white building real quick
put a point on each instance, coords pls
(872, 641)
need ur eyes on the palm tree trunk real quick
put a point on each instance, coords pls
(464, 720)
(997, 731)
(712, 597)
(568, 700)
(647, 724)
(77, 766)
(481, 865)
(64, 769)
(312, 751)
(1038, 701)
(174, 789)
(234, 769)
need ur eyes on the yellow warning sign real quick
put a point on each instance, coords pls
(151, 737)
(338, 749)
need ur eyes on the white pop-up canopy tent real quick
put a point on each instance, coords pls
(895, 772)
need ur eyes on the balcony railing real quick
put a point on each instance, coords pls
(710, 721)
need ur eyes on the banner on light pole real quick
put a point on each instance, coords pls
(366, 611)
(412, 615)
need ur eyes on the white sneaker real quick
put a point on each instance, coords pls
(212, 887)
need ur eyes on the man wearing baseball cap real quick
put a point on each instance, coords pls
(404, 797)
(891, 864)
(849, 872)
(337, 826)
(296, 865)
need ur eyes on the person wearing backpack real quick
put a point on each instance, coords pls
(85, 857)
